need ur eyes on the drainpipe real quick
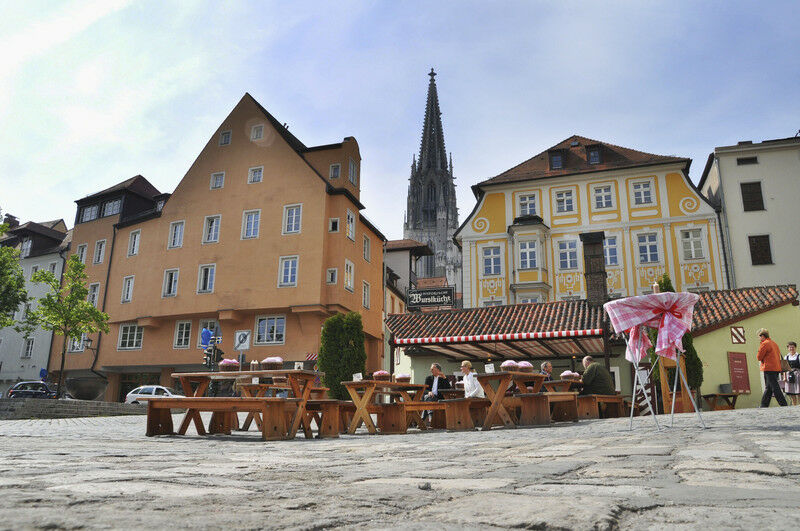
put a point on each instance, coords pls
(103, 309)
(730, 277)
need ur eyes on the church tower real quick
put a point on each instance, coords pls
(432, 215)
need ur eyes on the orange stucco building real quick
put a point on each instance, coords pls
(262, 234)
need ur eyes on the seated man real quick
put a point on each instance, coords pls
(596, 379)
(547, 370)
(433, 386)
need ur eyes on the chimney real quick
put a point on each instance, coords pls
(594, 268)
(11, 220)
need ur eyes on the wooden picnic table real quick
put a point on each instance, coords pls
(561, 386)
(362, 393)
(528, 382)
(449, 394)
(300, 383)
(721, 401)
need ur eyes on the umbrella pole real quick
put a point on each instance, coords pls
(638, 383)
(686, 384)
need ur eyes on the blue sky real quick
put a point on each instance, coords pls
(92, 93)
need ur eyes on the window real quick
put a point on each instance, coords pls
(81, 252)
(77, 344)
(527, 205)
(257, 132)
(525, 299)
(34, 269)
(366, 248)
(334, 171)
(760, 250)
(648, 247)
(52, 267)
(333, 225)
(26, 248)
(183, 334)
(112, 207)
(568, 254)
(487, 304)
(692, 241)
(351, 225)
(211, 229)
(133, 243)
(288, 271)
(170, 288)
(217, 180)
(603, 197)
(88, 213)
(642, 194)
(255, 175)
(160, 205)
(224, 138)
(742, 161)
(491, 261)
(130, 337)
(27, 348)
(270, 330)
(752, 197)
(594, 155)
(349, 275)
(250, 221)
(353, 173)
(292, 218)
(175, 235)
(331, 275)
(127, 289)
(564, 201)
(94, 294)
(527, 255)
(209, 324)
(610, 251)
(205, 278)
(99, 251)
(365, 294)
(556, 161)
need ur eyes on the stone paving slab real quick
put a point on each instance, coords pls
(104, 473)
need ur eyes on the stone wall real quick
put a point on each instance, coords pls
(39, 408)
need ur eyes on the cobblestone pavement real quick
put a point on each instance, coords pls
(742, 473)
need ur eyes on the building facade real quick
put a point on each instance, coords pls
(42, 247)
(432, 215)
(521, 241)
(753, 186)
(263, 234)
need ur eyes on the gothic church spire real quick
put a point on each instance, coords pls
(431, 151)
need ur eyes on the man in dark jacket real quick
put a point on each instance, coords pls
(434, 385)
(596, 379)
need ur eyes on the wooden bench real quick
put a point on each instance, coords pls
(534, 408)
(564, 405)
(274, 412)
(438, 417)
(601, 406)
(325, 412)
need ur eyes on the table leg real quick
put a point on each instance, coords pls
(361, 414)
(193, 414)
(300, 414)
(496, 396)
(413, 416)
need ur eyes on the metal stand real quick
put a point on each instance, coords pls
(688, 391)
(637, 384)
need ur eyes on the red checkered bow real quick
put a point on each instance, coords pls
(671, 313)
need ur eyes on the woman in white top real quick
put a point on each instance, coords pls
(472, 387)
(791, 378)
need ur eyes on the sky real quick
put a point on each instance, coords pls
(94, 92)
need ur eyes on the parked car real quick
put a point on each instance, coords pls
(141, 394)
(31, 390)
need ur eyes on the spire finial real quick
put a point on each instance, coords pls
(432, 74)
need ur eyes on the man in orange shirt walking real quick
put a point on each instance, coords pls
(770, 357)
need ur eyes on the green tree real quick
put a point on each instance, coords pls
(341, 353)
(65, 310)
(13, 294)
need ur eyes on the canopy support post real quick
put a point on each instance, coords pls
(638, 384)
(688, 391)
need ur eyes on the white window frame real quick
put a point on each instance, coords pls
(299, 218)
(52, 267)
(25, 248)
(568, 244)
(525, 202)
(77, 344)
(218, 217)
(351, 225)
(82, 250)
(491, 257)
(349, 277)
(214, 179)
(213, 277)
(200, 329)
(96, 294)
(338, 167)
(567, 195)
(89, 213)
(526, 298)
(95, 259)
(116, 203)
(267, 319)
(657, 243)
(607, 247)
(365, 294)
(256, 226)
(172, 227)
(27, 348)
(257, 132)
(34, 270)
(701, 240)
(175, 344)
(367, 248)
(635, 184)
(597, 194)
(251, 174)
(331, 222)
(352, 173)
(137, 337)
(127, 297)
(282, 264)
(134, 240)
(225, 140)
(332, 281)
(176, 279)
(531, 249)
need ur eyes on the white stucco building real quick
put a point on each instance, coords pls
(756, 188)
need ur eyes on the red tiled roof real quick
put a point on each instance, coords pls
(401, 245)
(432, 282)
(575, 161)
(716, 309)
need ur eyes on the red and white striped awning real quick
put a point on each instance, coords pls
(556, 334)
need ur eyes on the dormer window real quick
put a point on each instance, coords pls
(594, 155)
(112, 207)
(26, 247)
(556, 160)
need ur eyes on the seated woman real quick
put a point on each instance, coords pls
(472, 387)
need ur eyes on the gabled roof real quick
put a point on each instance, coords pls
(720, 308)
(136, 184)
(416, 248)
(38, 228)
(290, 139)
(575, 161)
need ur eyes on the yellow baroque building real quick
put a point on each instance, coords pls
(521, 242)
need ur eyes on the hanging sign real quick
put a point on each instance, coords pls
(420, 298)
